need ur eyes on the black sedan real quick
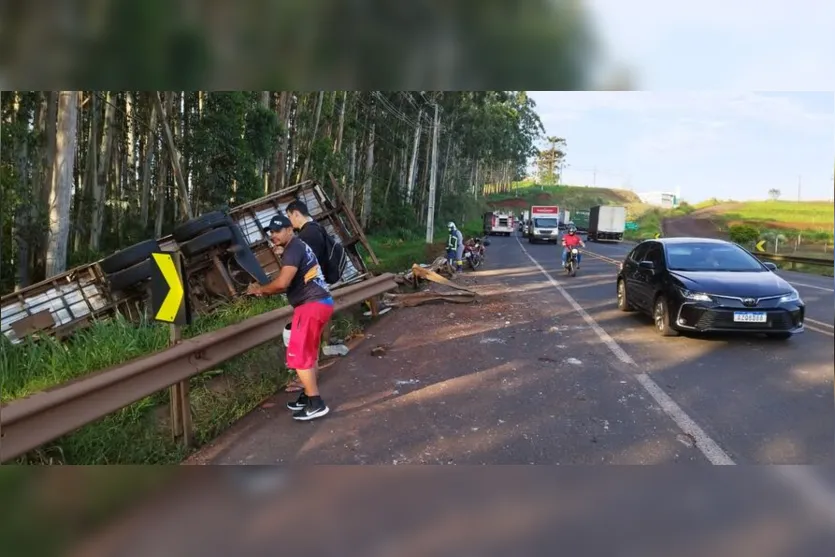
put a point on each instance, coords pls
(702, 285)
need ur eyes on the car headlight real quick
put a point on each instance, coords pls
(791, 297)
(695, 296)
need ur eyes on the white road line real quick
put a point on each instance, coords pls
(819, 323)
(809, 285)
(708, 447)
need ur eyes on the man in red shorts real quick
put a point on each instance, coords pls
(302, 280)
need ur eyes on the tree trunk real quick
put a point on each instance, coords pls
(162, 184)
(352, 173)
(313, 136)
(61, 192)
(130, 154)
(182, 198)
(365, 215)
(150, 149)
(264, 165)
(279, 170)
(337, 146)
(22, 225)
(104, 165)
(91, 182)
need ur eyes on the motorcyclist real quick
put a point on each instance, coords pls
(455, 246)
(569, 241)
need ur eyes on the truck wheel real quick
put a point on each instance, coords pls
(206, 241)
(128, 257)
(193, 228)
(126, 278)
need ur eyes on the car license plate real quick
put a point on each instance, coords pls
(750, 317)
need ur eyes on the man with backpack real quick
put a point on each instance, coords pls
(301, 279)
(329, 253)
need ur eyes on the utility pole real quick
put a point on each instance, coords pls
(413, 165)
(433, 176)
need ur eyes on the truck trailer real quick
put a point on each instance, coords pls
(607, 223)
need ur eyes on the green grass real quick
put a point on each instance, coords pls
(812, 220)
(397, 255)
(138, 434)
(570, 197)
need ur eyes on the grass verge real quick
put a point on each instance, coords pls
(140, 432)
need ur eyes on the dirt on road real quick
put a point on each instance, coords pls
(691, 226)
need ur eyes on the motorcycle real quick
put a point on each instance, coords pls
(474, 253)
(571, 262)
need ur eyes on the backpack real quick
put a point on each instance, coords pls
(335, 258)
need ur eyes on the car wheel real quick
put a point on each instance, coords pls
(206, 241)
(128, 257)
(623, 301)
(130, 277)
(779, 336)
(661, 318)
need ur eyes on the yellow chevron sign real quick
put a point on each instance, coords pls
(167, 290)
(657, 235)
(761, 245)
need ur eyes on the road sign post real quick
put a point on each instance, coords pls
(170, 304)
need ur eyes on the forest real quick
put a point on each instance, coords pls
(85, 173)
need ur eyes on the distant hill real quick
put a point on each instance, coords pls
(572, 198)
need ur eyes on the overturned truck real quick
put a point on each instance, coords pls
(223, 252)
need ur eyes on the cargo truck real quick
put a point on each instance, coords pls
(501, 222)
(607, 223)
(565, 218)
(544, 224)
(581, 220)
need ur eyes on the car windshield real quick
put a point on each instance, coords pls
(711, 257)
(545, 223)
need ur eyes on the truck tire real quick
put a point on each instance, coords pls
(126, 278)
(196, 226)
(128, 257)
(206, 241)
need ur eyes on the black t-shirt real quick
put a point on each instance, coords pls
(312, 234)
(308, 284)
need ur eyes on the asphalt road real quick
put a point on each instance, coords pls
(761, 401)
(545, 370)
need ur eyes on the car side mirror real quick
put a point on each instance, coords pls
(770, 266)
(648, 265)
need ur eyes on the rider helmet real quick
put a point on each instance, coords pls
(572, 229)
(451, 226)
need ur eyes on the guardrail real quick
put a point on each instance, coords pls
(794, 260)
(28, 423)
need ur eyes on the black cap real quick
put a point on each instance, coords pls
(277, 223)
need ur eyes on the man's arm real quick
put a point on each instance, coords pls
(278, 285)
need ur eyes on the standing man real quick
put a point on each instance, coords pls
(312, 234)
(455, 246)
(302, 280)
(309, 230)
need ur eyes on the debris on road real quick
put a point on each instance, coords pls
(430, 275)
(419, 298)
(335, 350)
(378, 351)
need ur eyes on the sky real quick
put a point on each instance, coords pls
(708, 144)
(741, 45)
